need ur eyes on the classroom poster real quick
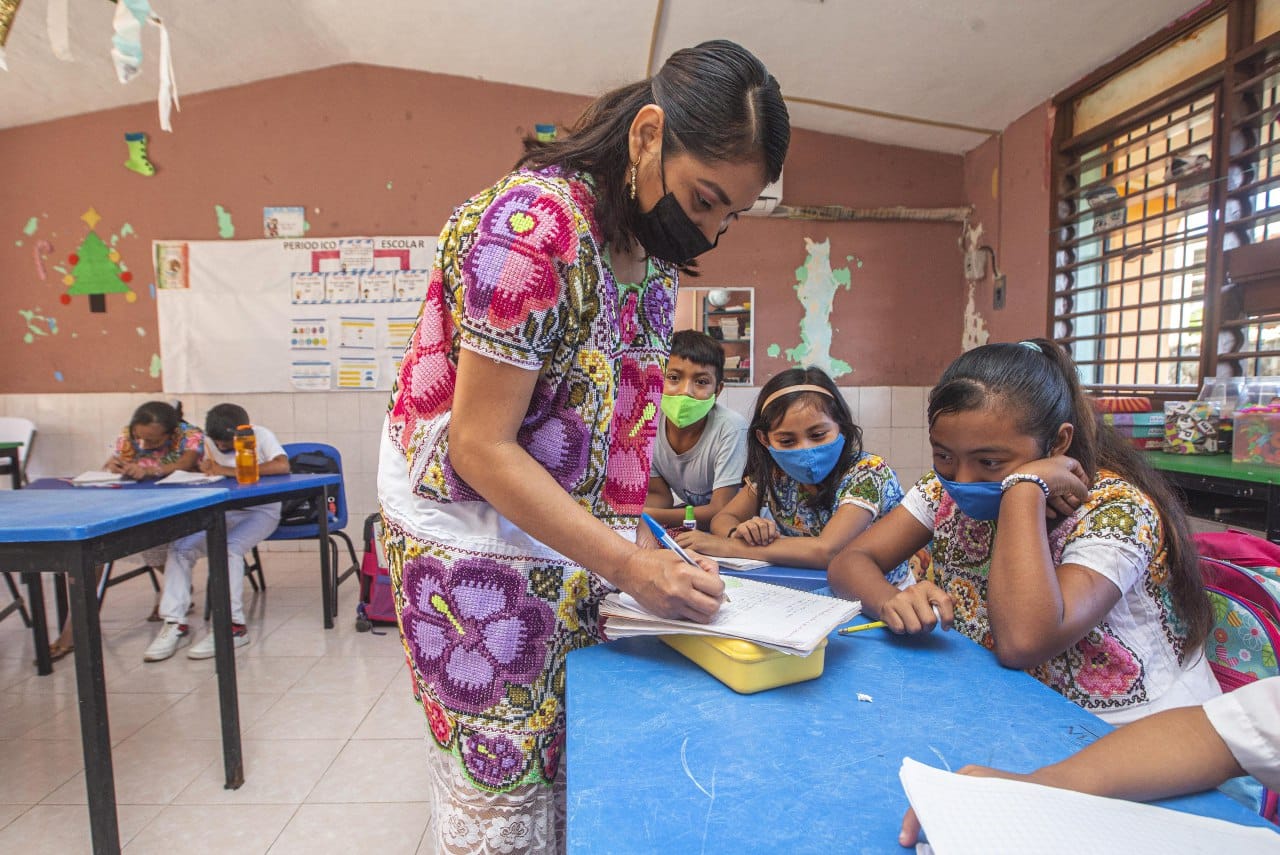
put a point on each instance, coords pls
(171, 264)
(309, 333)
(310, 376)
(266, 315)
(357, 372)
(290, 222)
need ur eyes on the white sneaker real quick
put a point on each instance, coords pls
(166, 642)
(204, 649)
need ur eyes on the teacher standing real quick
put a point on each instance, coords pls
(515, 459)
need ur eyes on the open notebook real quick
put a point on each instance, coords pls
(180, 476)
(784, 619)
(97, 478)
(962, 814)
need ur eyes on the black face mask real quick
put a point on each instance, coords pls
(666, 232)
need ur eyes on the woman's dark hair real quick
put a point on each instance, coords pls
(1037, 380)
(699, 348)
(168, 416)
(760, 465)
(721, 104)
(220, 422)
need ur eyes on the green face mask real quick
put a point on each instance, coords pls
(683, 410)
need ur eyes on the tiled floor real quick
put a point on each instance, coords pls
(333, 741)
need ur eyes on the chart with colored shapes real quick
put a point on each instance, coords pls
(309, 334)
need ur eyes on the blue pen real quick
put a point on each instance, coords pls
(669, 542)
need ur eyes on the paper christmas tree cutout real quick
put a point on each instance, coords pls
(96, 272)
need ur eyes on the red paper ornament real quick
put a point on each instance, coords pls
(73, 259)
(127, 276)
(65, 299)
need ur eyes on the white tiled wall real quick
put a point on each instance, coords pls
(76, 431)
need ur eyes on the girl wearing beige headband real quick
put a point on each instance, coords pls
(809, 488)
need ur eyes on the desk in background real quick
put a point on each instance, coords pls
(268, 489)
(1216, 488)
(664, 758)
(66, 532)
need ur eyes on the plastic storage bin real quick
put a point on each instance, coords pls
(1256, 438)
(745, 667)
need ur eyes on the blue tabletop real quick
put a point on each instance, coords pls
(267, 485)
(801, 578)
(663, 757)
(40, 516)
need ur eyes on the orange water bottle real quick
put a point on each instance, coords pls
(246, 445)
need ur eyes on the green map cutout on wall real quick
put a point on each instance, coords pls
(816, 286)
(95, 274)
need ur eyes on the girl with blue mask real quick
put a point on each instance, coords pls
(1053, 543)
(809, 488)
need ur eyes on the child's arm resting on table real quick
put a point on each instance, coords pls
(1167, 754)
(859, 570)
(813, 552)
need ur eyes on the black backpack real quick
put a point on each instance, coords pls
(304, 511)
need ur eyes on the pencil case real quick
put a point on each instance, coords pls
(745, 667)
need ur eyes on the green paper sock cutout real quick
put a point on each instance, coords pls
(137, 161)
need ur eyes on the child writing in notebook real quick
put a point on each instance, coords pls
(1181, 750)
(246, 528)
(156, 442)
(809, 488)
(1054, 544)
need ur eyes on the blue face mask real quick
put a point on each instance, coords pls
(809, 465)
(979, 500)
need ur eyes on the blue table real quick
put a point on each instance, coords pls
(664, 758)
(65, 532)
(268, 489)
(801, 578)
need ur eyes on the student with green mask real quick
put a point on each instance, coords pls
(701, 447)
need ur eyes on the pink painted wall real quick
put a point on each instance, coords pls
(1006, 179)
(388, 151)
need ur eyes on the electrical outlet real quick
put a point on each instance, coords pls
(998, 293)
(975, 265)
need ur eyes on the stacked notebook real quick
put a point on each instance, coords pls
(783, 619)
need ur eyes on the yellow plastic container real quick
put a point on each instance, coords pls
(745, 667)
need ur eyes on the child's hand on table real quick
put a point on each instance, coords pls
(918, 609)
(910, 832)
(757, 531)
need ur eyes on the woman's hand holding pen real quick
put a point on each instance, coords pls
(917, 610)
(668, 587)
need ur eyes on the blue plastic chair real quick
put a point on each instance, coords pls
(337, 510)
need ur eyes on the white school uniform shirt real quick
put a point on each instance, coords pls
(1248, 720)
(269, 448)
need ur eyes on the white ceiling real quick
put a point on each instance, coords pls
(980, 64)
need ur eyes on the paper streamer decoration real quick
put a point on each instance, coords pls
(8, 8)
(126, 52)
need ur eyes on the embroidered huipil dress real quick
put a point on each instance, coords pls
(487, 613)
(1136, 661)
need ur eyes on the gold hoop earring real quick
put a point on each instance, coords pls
(634, 164)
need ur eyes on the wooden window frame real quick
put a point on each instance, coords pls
(1255, 278)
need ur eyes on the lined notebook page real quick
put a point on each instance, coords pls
(962, 814)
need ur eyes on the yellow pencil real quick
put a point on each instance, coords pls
(860, 627)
